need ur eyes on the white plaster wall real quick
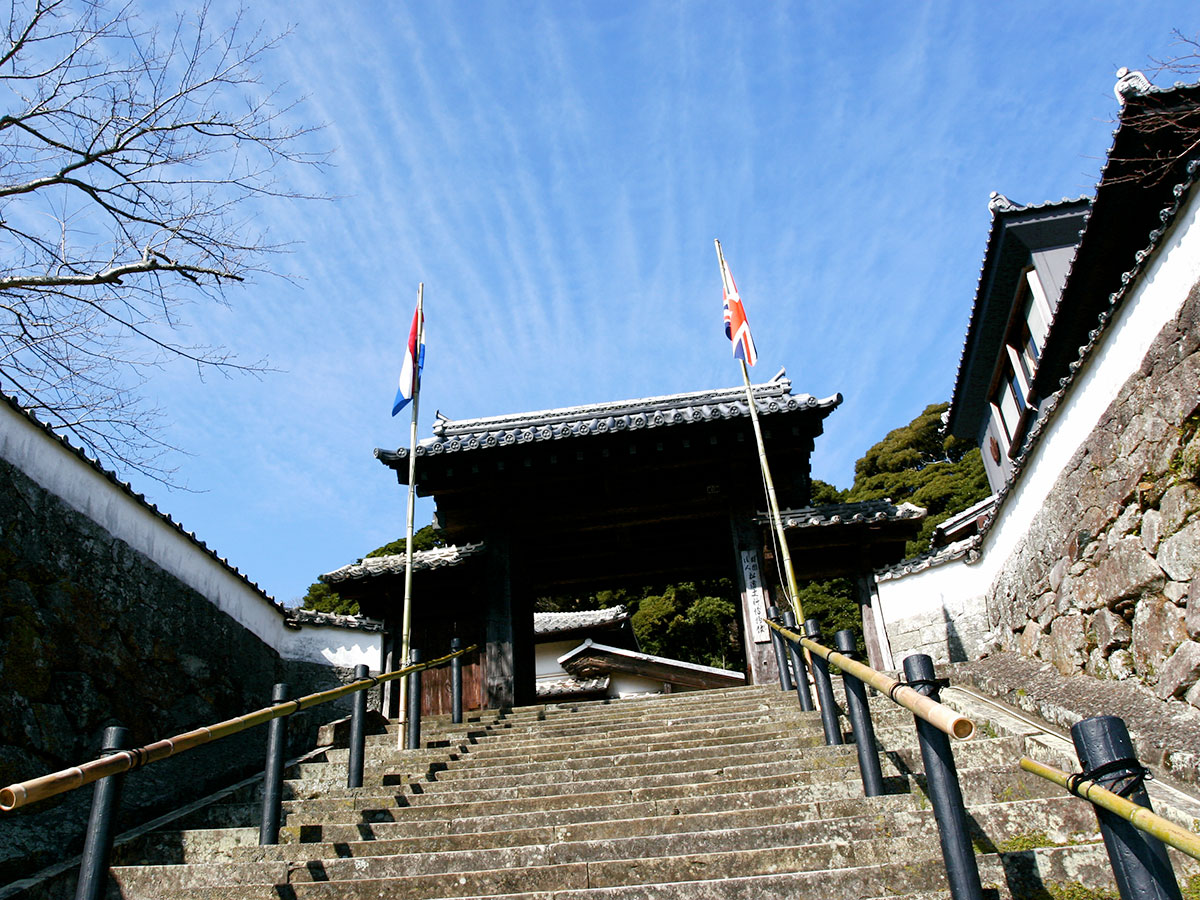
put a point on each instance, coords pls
(342, 647)
(1152, 303)
(622, 685)
(545, 657)
(929, 590)
(82, 487)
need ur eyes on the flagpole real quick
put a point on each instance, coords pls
(772, 501)
(406, 627)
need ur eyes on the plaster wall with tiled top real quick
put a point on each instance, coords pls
(1091, 559)
(127, 516)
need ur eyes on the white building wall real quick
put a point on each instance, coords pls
(80, 485)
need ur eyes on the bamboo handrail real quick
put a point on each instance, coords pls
(940, 716)
(34, 789)
(1138, 816)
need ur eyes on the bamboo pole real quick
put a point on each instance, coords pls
(34, 789)
(940, 716)
(772, 500)
(1138, 816)
(406, 626)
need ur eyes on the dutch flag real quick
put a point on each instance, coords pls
(414, 362)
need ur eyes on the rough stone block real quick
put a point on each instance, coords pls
(1097, 665)
(1028, 640)
(1176, 592)
(1126, 523)
(1058, 573)
(1151, 529)
(1128, 571)
(1179, 502)
(1193, 696)
(1180, 672)
(1157, 630)
(1192, 620)
(1067, 646)
(1108, 631)
(1120, 664)
(1179, 555)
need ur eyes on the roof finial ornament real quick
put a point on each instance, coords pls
(1130, 84)
(998, 203)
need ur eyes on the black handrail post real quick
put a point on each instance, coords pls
(358, 731)
(413, 738)
(829, 719)
(272, 810)
(781, 657)
(941, 782)
(860, 719)
(456, 683)
(97, 846)
(1139, 860)
(799, 666)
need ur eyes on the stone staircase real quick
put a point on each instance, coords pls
(718, 794)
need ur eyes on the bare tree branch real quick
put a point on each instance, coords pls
(130, 157)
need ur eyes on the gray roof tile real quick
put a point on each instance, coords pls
(845, 513)
(451, 436)
(559, 622)
(300, 616)
(423, 560)
(569, 686)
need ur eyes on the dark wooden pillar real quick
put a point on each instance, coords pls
(751, 581)
(389, 654)
(499, 691)
(521, 603)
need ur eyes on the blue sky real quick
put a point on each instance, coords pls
(555, 173)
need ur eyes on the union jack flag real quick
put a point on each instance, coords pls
(737, 328)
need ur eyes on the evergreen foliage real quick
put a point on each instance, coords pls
(915, 463)
(693, 621)
(322, 598)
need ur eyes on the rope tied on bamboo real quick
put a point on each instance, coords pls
(1136, 775)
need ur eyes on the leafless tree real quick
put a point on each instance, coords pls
(1186, 58)
(1166, 123)
(131, 157)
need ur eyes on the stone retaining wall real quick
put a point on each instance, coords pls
(1107, 579)
(92, 633)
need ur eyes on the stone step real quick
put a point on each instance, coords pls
(541, 732)
(980, 785)
(1057, 820)
(664, 740)
(769, 872)
(774, 846)
(618, 772)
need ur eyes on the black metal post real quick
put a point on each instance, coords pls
(799, 666)
(1139, 860)
(781, 656)
(860, 719)
(272, 810)
(358, 731)
(829, 719)
(413, 739)
(456, 683)
(97, 846)
(941, 781)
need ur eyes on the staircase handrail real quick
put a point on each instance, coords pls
(32, 790)
(938, 715)
(1138, 816)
